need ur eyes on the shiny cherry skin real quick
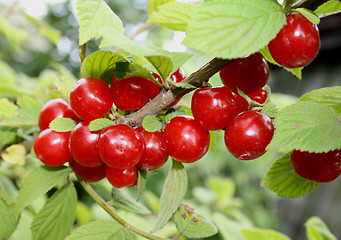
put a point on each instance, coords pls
(84, 145)
(155, 152)
(121, 177)
(213, 108)
(318, 167)
(89, 174)
(297, 43)
(91, 98)
(186, 140)
(248, 74)
(177, 77)
(259, 96)
(52, 148)
(241, 103)
(53, 109)
(130, 93)
(120, 146)
(153, 89)
(248, 135)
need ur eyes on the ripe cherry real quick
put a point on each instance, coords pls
(155, 151)
(297, 43)
(52, 148)
(213, 108)
(120, 146)
(89, 174)
(186, 140)
(91, 98)
(259, 96)
(153, 89)
(130, 93)
(177, 77)
(318, 167)
(55, 108)
(84, 145)
(248, 135)
(247, 74)
(121, 177)
(241, 103)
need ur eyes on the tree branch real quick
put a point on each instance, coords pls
(167, 97)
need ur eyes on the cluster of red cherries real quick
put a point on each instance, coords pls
(117, 151)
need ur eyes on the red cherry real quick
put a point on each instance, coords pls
(53, 109)
(213, 108)
(121, 177)
(248, 135)
(89, 174)
(84, 145)
(155, 152)
(130, 93)
(153, 89)
(177, 77)
(241, 103)
(247, 74)
(318, 167)
(91, 98)
(120, 146)
(297, 44)
(259, 96)
(186, 140)
(52, 148)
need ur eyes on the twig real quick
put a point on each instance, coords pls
(82, 52)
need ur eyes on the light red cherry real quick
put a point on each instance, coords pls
(89, 174)
(121, 177)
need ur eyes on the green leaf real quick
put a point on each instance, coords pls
(172, 194)
(8, 222)
(100, 124)
(269, 108)
(260, 234)
(173, 15)
(56, 218)
(282, 179)
(213, 140)
(62, 124)
(307, 126)
(122, 234)
(317, 230)
(228, 229)
(123, 201)
(153, 5)
(94, 15)
(183, 85)
(38, 183)
(14, 154)
(236, 29)
(179, 58)
(308, 14)
(330, 96)
(329, 8)
(162, 64)
(7, 108)
(151, 123)
(14, 35)
(223, 188)
(295, 71)
(99, 229)
(99, 63)
(7, 136)
(193, 225)
(141, 182)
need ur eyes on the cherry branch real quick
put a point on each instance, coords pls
(167, 97)
(310, 4)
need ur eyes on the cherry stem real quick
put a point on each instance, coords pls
(113, 214)
(82, 52)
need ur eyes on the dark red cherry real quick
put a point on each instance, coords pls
(84, 145)
(259, 96)
(213, 108)
(247, 74)
(53, 109)
(248, 135)
(121, 177)
(52, 148)
(153, 89)
(91, 98)
(89, 174)
(186, 140)
(120, 146)
(318, 167)
(177, 77)
(241, 103)
(155, 152)
(297, 43)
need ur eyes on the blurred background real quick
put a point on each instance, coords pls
(39, 42)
